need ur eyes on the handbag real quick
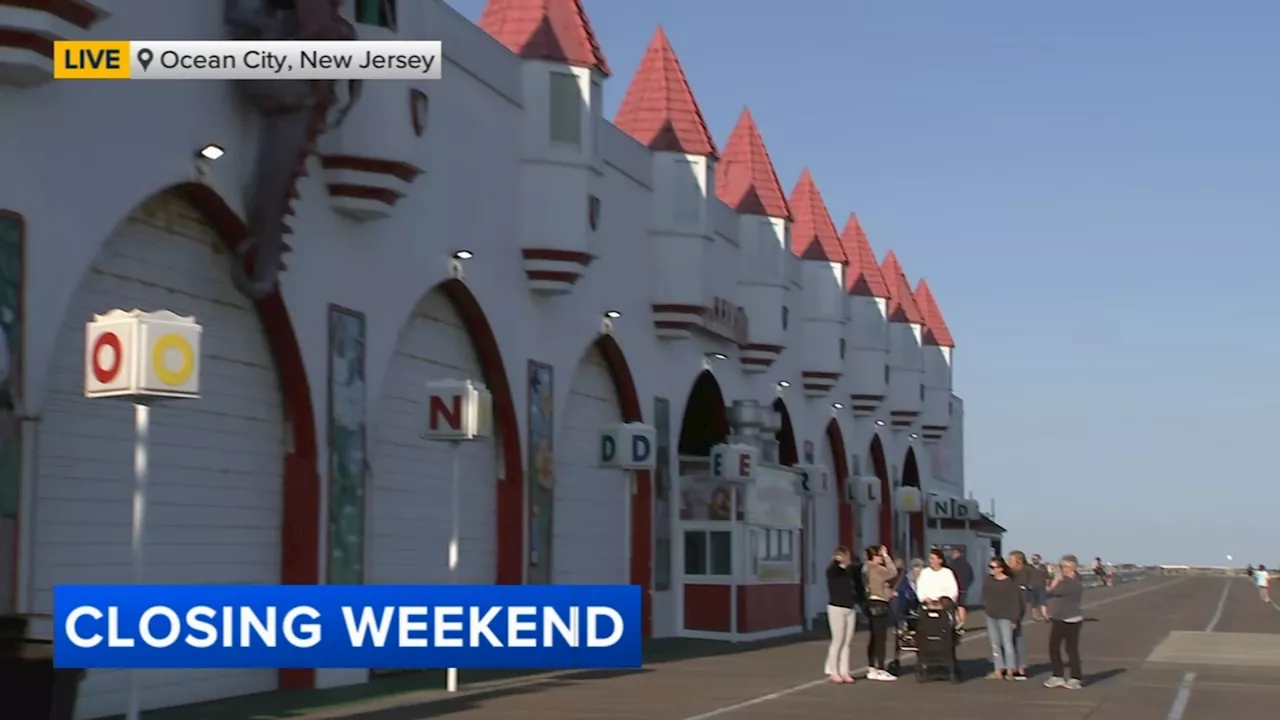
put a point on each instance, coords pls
(877, 608)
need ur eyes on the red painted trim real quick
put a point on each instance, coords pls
(881, 467)
(814, 375)
(707, 607)
(770, 607)
(510, 520)
(300, 545)
(22, 40)
(642, 502)
(376, 166)
(848, 524)
(73, 11)
(386, 196)
(557, 255)
(766, 362)
(567, 277)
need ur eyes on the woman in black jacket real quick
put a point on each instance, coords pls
(845, 592)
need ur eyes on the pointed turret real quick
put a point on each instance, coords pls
(867, 331)
(938, 350)
(745, 178)
(552, 30)
(906, 360)
(659, 109)
(747, 183)
(816, 243)
(813, 235)
(660, 112)
(562, 82)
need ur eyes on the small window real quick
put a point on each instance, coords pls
(721, 553)
(786, 317)
(921, 393)
(886, 374)
(566, 109)
(695, 552)
(380, 13)
(842, 348)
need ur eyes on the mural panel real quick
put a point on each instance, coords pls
(542, 470)
(662, 496)
(348, 437)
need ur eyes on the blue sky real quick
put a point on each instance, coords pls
(1093, 191)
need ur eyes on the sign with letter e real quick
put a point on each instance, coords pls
(735, 463)
(628, 446)
(142, 354)
(457, 410)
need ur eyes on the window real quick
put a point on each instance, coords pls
(381, 13)
(842, 348)
(708, 552)
(921, 393)
(566, 109)
(775, 545)
(886, 374)
(687, 198)
(786, 317)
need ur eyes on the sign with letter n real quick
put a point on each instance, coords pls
(457, 410)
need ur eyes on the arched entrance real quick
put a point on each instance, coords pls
(915, 520)
(446, 336)
(828, 520)
(234, 493)
(590, 501)
(848, 531)
(788, 453)
(880, 466)
(705, 422)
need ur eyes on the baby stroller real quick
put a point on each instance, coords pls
(936, 639)
(906, 613)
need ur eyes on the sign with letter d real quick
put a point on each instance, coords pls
(735, 463)
(629, 446)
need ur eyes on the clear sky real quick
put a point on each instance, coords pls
(1092, 189)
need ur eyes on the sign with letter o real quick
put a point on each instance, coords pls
(142, 354)
(173, 360)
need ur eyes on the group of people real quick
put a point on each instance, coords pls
(1262, 578)
(888, 592)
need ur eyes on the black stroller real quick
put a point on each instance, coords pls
(934, 637)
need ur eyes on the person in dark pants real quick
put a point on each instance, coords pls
(878, 575)
(1063, 608)
(963, 571)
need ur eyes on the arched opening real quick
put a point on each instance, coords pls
(847, 525)
(509, 569)
(704, 423)
(915, 522)
(788, 454)
(642, 500)
(880, 465)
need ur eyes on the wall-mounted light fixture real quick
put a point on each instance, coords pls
(784, 384)
(914, 436)
(879, 423)
(455, 263)
(718, 356)
(838, 406)
(613, 314)
(211, 152)
(463, 255)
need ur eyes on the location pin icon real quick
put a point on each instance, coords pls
(144, 58)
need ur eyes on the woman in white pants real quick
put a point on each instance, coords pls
(844, 593)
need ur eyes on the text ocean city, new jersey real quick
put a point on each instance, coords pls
(295, 60)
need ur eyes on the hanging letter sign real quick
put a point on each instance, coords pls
(735, 463)
(457, 410)
(869, 487)
(966, 510)
(815, 480)
(907, 499)
(629, 446)
(940, 507)
(142, 354)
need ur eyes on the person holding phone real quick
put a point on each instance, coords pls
(845, 591)
(878, 574)
(1063, 608)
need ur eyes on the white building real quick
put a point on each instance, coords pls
(624, 270)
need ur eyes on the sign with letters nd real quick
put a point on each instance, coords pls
(457, 410)
(966, 510)
(908, 499)
(629, 446)
(131, 353)
(735, 463)
(940, 507)
(815, 480)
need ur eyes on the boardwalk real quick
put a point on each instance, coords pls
(1160, 649)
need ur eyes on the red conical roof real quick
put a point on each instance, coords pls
(745, 179)
(935, 328)
(813, 235)
(863, 276)
(902, 305)
(556, 30)
(659, 109)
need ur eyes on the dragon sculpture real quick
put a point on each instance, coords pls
(294, 114)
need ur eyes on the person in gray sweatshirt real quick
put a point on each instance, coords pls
(1003, 599)
(1063, 608)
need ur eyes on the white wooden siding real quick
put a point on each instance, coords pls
(216, 463)
(409, 521)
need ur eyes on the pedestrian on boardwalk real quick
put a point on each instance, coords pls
(1263, 580)
(878, 574)
(937, 583)
(1032, 586)
(1005, 605)
(844, 592)
(1063, 608)
(964, 578)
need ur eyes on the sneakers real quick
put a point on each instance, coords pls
(1074, 684)
(881, 675)
(1020, 676)
(1055, 682)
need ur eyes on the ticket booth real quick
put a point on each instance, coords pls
(739, 535)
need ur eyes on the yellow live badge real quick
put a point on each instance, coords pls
(91, 59)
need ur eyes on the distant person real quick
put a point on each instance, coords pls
(1248, 572)
(1063, 607)
(937, 583)
(878, 574)
(1262, 579)
(1100, 570)
(1040, 575)
(1004, 603)
(844, 593)
(963, 571)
